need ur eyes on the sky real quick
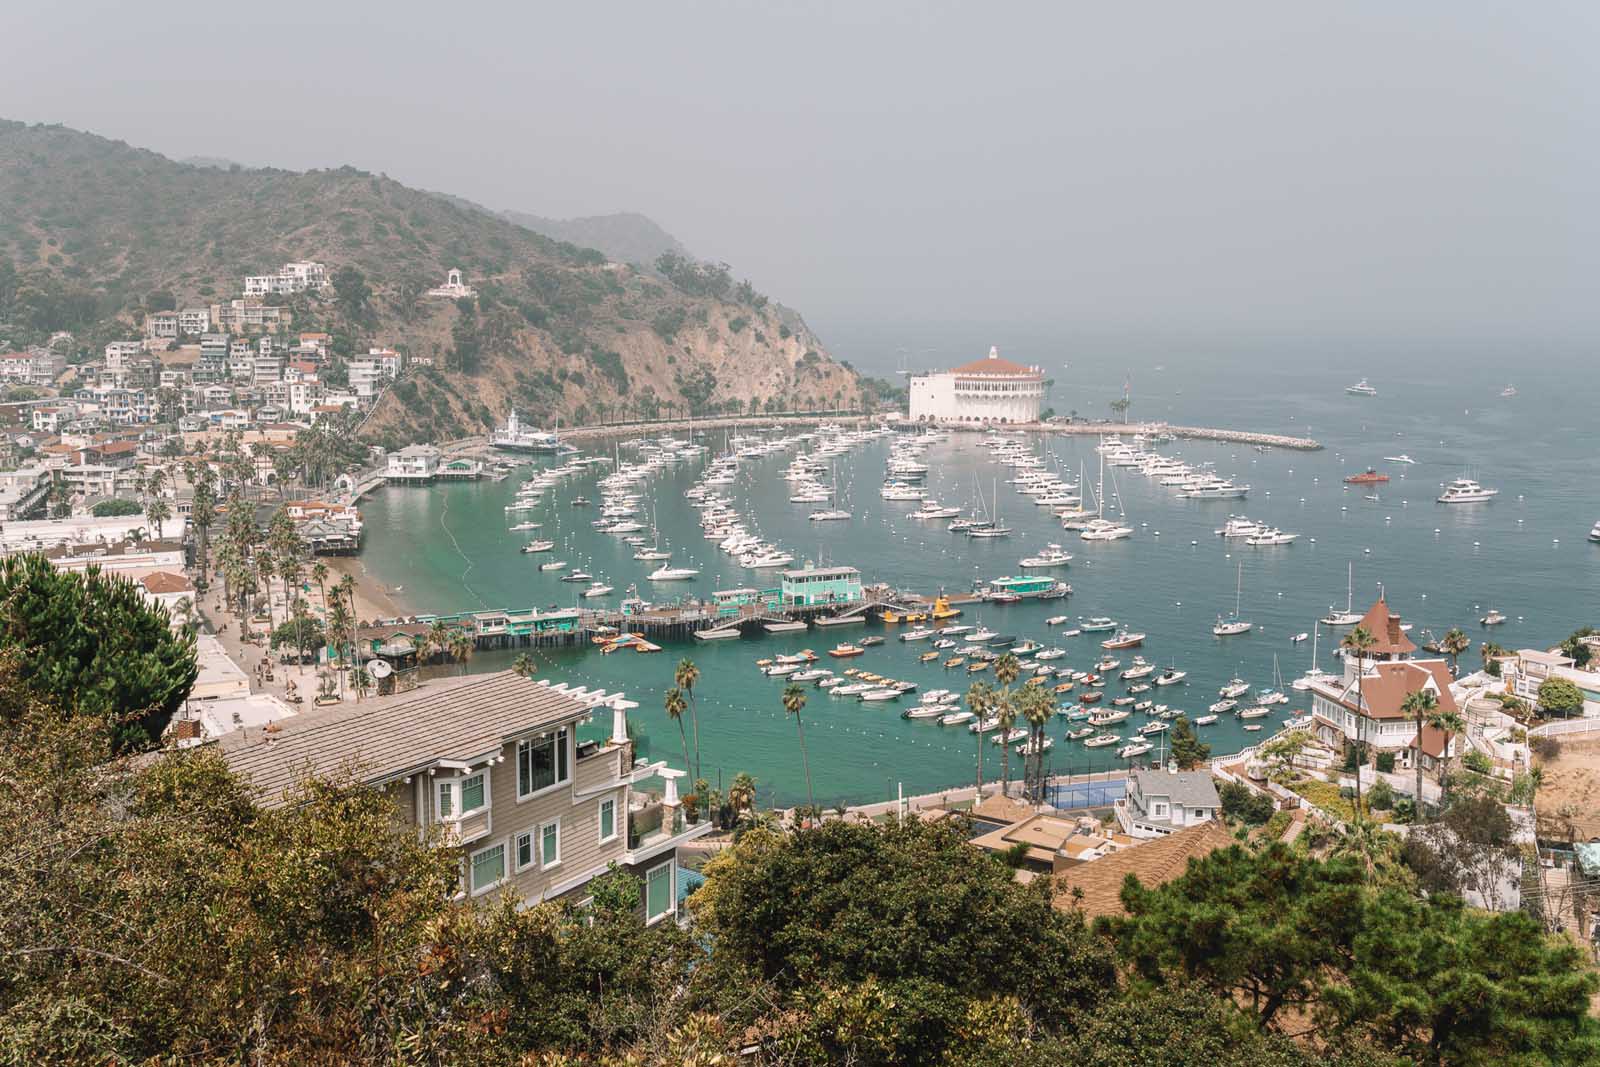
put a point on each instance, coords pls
(1422, 171)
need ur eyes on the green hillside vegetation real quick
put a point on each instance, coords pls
(625, 237)
(96, 232)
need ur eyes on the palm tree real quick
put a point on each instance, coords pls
(1357, 642)
(980, 701)
(1005, 715)
(1420, 705)
(347, 589)
(675, 706)
(794, 701)
(685, 676)
(436, 642)
(1006, 669)
(1451, 723)
(742, 793)
(338, 619)
(319, 574)
(524, 665)
(264, 570)
(1037, 707)
(1454, 643)
(461, 648)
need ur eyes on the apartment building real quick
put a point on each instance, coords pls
(194, 321)
(237, 315)
(161, 325)
(514, 776)
(290, 278)
(36, 366)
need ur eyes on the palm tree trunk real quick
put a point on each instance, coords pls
(805, 762)
(978, 799)
(1361, 676)
(686, 764)
(694, 716)
(1417, 818)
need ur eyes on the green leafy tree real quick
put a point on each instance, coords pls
(92, 645)
(1261, 927)
(1558, 696)
(1577, 648)
(1188, 751)
(1439, 983)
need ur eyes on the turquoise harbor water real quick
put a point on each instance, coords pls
(448, 549)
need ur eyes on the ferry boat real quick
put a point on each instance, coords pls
(1466, 491)
(1370, 476)
(1361, 388)
(1025, 585)
(1052, 556)
(514, 437)
(1123, 639)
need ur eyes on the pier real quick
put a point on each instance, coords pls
(1129, 429)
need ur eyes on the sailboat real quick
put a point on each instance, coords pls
(1101, 528)
(1235, 625)
(1347, 617)
(1316, 673)
(996, 528)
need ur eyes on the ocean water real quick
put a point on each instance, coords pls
(447, 549)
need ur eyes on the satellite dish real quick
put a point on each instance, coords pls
(380, 668)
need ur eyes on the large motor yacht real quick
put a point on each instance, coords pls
(1361, 388)
(1466, 491)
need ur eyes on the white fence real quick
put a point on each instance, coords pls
(1568, 728)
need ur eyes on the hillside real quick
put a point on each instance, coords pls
(96, 231)
(626, 236)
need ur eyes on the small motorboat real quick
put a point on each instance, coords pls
(1055, 620)
(927, 657)
(1150, 729)
(577, 576)
(1222, 706)
(1101, 741)
(553, 565)
(880, 694)
(596, 589)
(957, 718)
(1236, 687)
(1171, 676)
(955, 661)
(1123, 639)
(1205, 720)
(870, 642)
(1494, 618)
(1079, 733)
(1137, 748)
(1301, 636)
(538, 546)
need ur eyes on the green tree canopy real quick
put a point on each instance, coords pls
(1557, 696)
(93, 645)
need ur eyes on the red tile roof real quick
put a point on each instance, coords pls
(1432, 741)
(159, 582)
(997, 366)
(1384, 626)
(1386, 688)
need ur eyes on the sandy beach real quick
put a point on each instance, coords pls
(373, 599)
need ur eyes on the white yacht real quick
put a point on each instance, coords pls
(538, 546)
(1239, 526)
(1361, 388)
(1509, 391)
(1052, 556)
(833, 515)
(673, 574)
(596, 589)
(1594, 533)
(1104, 530)
(1213, 489)
(1273, 536)
(1466, 491)
(1401, 458)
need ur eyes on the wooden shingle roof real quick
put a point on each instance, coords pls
(458, 719)
(1154, 863)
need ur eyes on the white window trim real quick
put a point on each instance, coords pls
(599, 820)
(533, 851)
(571, 748)
(461, 793)
(543, 865)
(504, 867)
(672, 891)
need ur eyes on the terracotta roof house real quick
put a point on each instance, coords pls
(1365, 702)
(1155, 862)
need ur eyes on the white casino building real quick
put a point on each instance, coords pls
(992, 390)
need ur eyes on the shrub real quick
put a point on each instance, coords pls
(1386, 762)
(1381, 796)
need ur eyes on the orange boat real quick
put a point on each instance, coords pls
(1366, 477)
(845, 651)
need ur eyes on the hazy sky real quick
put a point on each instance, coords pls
(1416, 169)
